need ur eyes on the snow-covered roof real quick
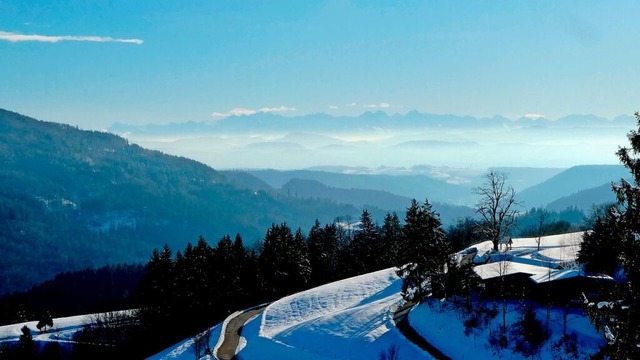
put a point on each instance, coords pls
(568, 274)
(555, 275)
(535, 262)
(504, 268)
(527, 257)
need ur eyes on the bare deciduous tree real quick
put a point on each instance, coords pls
(201, 344)
(541, 220)
(497, 207)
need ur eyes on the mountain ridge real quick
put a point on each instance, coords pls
(73, 199)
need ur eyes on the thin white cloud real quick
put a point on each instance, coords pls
(13, 37)
(276, 109)
(533, 116)
(244, 111)
(333, 107)
(382, 105)
(352, 104)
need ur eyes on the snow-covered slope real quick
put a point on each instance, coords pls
(62, 331)
(351, 318)
(348, 319)
(445, 329)
(185, 348)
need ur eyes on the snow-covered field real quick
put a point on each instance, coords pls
(62, 331)
(443, 326)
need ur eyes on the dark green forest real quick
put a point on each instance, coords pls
(73, 199)
(192, 288)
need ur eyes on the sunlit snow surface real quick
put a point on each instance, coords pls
(557, 252)
(348, 319)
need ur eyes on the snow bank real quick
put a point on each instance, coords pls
(348, 319)
(325, 300)
(184, 349)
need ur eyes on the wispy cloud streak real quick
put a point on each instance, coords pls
(13, 37)
(243, 111)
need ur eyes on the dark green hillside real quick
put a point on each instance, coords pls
(409, 186)
(369, 199)
(571, 181)
(71, 199)
(585, 199)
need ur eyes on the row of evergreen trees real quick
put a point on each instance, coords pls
(200, 285)
(613, 247)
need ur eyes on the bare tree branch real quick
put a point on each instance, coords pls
(497, 207)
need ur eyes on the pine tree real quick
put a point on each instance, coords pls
(324, 250)
(621, 315)
(45, 321)
(601, 247)
(390, 241)
(27, 348)
(158, 284)
(284, 262)
(363, 251)
(424, 253)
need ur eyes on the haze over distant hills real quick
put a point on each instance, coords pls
(71, 199)
(374, 139)
(575, 180)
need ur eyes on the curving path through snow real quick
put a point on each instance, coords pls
(231, 335)
(402, 323)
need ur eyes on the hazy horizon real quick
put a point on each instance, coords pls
(142, 63)
(242, 142)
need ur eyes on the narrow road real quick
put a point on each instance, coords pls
(402, 323)
(227, 350)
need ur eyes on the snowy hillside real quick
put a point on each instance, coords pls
(352, 318)
(348, 319)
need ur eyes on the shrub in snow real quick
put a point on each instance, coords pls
(390, 354)
(566, 347)
(529, 332)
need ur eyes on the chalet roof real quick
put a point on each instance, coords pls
(567, 274)
(505, 268)
(538, 274)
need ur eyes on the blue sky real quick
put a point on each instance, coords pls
(144, 62)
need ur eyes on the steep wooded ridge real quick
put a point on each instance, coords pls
(72, 199)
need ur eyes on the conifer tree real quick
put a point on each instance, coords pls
(324, 250)
(621, 315)
(27, 348)
(363, 251)
(391, 240)
(424, 253)
(601, 247)
(284, 263)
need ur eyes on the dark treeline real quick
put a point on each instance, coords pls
(191, 289)
(71, 293)
(181, 292)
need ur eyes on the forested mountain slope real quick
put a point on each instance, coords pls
(71, 199)
(571, 181)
